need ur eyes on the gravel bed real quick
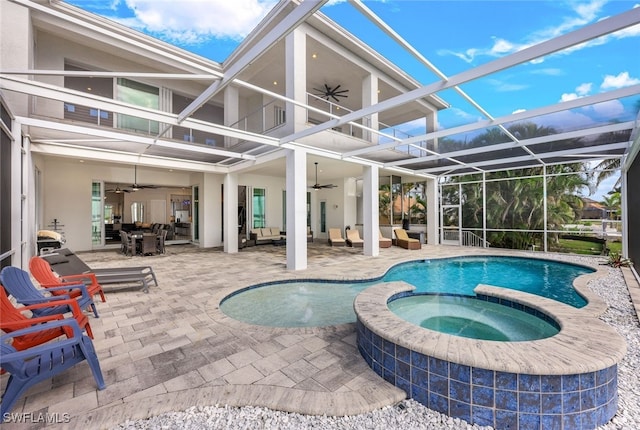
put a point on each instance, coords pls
(412, 415)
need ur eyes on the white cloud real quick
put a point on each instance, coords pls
(196, 21)
(581, 91)
(582, 14)
(518, 111)
(611, 109)
(549, 72)
(622, 80)
(584, 89)
(565, 97)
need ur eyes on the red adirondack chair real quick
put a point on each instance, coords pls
(41, 270)
(12, 318)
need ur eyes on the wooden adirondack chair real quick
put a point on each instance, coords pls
(12, 319)
(47, 278)
(42, 362)
(18, 283)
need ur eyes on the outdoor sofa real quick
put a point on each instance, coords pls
(265, 235)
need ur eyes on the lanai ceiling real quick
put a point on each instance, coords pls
(446, 151)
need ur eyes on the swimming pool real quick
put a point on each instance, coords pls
(318, 303)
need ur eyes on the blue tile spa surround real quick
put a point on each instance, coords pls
(567, 381)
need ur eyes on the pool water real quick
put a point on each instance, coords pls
(545, 278)
(295, 304)
(469, 317)
(316, 303)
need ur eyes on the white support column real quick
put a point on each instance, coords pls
(433, 211)
(230, 236)
(369, 98)
(371, 222)
(231, 112)
(545, 235)
(431, 126)
(296, 180)
(296, 79)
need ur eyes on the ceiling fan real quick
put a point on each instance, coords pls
(317, 186)
(329, 92)
(135, 186)
(118, 190)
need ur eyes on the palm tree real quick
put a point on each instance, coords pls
(613, 203)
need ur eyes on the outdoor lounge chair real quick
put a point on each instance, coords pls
(404, 241)
(12, 319)
(384, 242)
(353, 239)
(41, 270)
(65, 262)
(39, 363)
(18, 283)
(335, 237)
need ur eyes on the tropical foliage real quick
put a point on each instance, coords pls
(515, 198)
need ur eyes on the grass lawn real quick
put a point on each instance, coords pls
(578, 247)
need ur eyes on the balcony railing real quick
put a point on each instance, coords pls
(266, 118)
(103, 118)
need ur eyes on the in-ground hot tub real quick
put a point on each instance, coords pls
(568, 380)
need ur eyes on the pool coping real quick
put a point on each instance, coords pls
(584, 343)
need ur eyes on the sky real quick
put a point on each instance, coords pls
(454, 35)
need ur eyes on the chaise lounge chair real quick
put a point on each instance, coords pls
(39, 363)
(65, 262)
(335, 237)
(353, 239)
(384, 242)
(404, 241)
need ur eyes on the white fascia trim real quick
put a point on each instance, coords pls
(558, 107)
(596, 149)
(509, 145)
(600, 28)
(101, 74)
(123, 137)
(109, 156)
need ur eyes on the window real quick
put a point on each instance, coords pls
(279, 117)
(97, 86)
(96, 213)
(142, 95)
(259, 220)
(323, 217)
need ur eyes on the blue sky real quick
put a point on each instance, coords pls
(454, 35)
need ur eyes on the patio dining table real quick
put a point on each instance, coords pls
(138, 237)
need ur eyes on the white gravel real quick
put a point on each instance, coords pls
(412, 415)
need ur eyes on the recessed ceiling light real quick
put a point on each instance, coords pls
(275, 82)
(88, 88)
(82, 161)
(314, 55)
